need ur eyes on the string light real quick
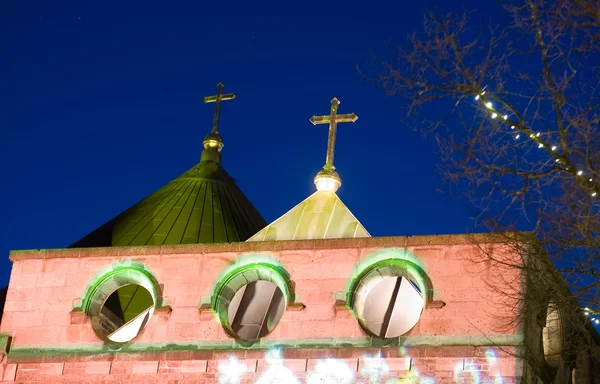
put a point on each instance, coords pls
(494, 115)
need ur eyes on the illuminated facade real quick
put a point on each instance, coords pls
(310, 298)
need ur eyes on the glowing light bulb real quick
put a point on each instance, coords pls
(538, 134)
(477, 97)
(516, 137)
(554, 147)
(557, 160)
(594, 194)
(494, 115)
(488, 104)
(597, 321)
(586, 308)
(540, 145)
(505, 117)
(579, 173)
(591, 179)
(512, 127)
(586, 313)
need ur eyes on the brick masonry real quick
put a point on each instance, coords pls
(46, 284)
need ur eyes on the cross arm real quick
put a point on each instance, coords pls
(226, 96)
(346, 118)
(320, 120)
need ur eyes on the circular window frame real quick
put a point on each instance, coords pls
(109, 283)
(236, 279)
(391, 267)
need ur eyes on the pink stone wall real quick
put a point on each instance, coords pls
(439, 365)
(45, 285)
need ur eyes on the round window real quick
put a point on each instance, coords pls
(250, 302)
(387, 302)
(121, 305)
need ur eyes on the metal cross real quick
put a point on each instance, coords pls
(332, 120)
(217, 99)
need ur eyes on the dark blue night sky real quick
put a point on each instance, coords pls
(101, 104)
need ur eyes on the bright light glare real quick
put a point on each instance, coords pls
(231, 371)
(331, 371)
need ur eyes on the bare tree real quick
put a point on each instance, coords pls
(515, 108)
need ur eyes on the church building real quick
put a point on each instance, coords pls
(192, 285)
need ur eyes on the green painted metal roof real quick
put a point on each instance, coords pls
(321, 216)
(203, 205)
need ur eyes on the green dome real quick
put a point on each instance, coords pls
(201, 206)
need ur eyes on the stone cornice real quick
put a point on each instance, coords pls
(266, 246)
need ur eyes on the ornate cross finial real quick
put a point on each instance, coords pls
(332, 120)
(217, 100)
(328, 179)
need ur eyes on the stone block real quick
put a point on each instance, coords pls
(76, 368)
(449, 364)
(321, 271)
(8, 372)
(327, 285)
(185, 315)
(315, 311)
(29, 266)
(121, 368)
(46, 280)
(78, 318)
(167, 367)
(337, 256)
(27, 319)
(294, 365)
(97, 367)
(290, 258)
(145, 367)
(34, 369)
(351, 363)
(345, 327)
(398, 364)
(194, 366)
(311, 329)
